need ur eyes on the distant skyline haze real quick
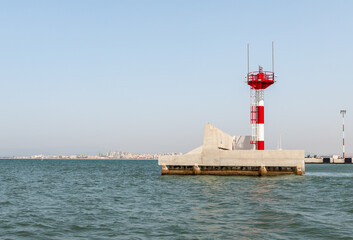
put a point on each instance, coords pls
(83, 77)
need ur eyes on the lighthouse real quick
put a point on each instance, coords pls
(258, 82)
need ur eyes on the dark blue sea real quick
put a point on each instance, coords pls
(124, 199)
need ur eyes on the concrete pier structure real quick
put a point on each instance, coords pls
(217, 156)
(328, 160)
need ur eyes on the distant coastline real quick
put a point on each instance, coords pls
(100, 156)
(88, 159)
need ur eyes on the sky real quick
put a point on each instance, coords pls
(83, 77)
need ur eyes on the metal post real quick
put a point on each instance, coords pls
(273, 57)
(248, 62)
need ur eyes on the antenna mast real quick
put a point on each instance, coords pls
(248, 61)
(273, 57)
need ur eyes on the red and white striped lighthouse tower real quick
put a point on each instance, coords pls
(343, 112)
(258, 82)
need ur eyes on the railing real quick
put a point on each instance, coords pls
(261, 75)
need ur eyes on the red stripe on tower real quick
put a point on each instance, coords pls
(260, 145)
(260, 121)
(260, 114)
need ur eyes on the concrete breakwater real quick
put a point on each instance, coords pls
(328, 160)
(218, 155)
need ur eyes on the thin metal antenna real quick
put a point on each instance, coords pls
(248, 61)
(273, 57)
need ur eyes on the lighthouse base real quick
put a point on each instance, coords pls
(230, 171)
(217, 157)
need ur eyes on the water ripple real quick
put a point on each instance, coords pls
(77, 199)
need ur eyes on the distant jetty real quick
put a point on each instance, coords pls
(328, 160)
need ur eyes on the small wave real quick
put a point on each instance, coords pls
(5, 203)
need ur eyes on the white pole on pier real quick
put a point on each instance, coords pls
(343, 112)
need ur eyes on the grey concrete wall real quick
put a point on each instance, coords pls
(275, 158)
(215, 138)
(340, 160)
(313, 160)
(242, 143)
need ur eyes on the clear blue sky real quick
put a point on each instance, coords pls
(145, 76)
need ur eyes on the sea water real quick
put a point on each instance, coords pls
(125, 199)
